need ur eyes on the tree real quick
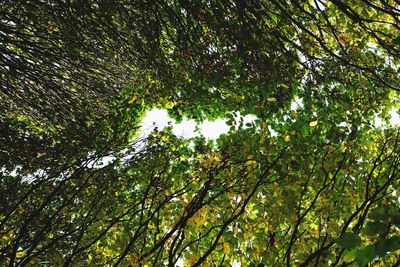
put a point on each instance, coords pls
(312, 181)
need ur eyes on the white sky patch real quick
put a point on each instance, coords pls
(213, 129)
(395, 118)
(378, 122)
(236, 264)
(187, 128)
(297, 104)
(154, 118)
(100, 162)
(393, 121)
(321, 4)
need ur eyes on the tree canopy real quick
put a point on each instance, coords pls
(314, 180)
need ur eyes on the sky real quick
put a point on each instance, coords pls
(187, 128)
(213, 129)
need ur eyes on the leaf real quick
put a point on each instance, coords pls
(383, 246)
(365, 255)
(20, 254)
(345, 37)
(271, 99)
(226, 248)
(229, 116)
(348, 240)
(287, 138)
(285, 85)
(191, 260)
(350, 255)
(393, 243)
(394, 217)
(379, 214)
(313, 123)
(380, 247)
(132, 99)
(373, 228)
(263, 125)
(134, 259)
(90, 258)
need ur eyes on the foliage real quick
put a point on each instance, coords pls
(312, 181)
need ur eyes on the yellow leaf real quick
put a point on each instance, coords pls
(169, 105)
(251, 165)
(226, 248)
(133, 98)
(263, 125)
(247, 235)
(207, 163)
(20, 254)
(313, 123)
(287, 138)
(134, 260)
(345, 37)
(271, 99)
(191, 260)
(285, 86)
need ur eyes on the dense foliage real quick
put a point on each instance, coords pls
(313, 181)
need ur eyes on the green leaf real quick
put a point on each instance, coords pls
(394, 217)
(348, 240)
(229, 116)
(393, 243)
(378, 214)
(396, 41)
(382, 246)
(365, 255)
(349, 255)
(374, 228)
